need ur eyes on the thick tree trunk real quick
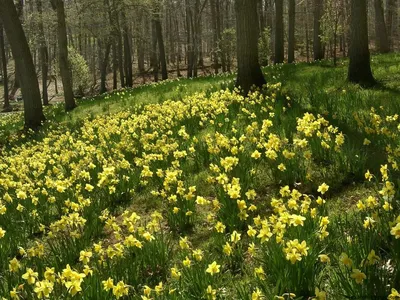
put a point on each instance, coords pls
(317, 46)
(65, 70)
(279, 38)
(44, 55)
(359, 67)
(33, 110)
(249, 71)
(381, 37)
(292, 22)
(3, 59)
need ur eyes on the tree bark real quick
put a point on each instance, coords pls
(391, 7)
(249, 71)
(154, 56)
(33, 110)
(359, 67)
(44, 55)
(381, 37)
(3, 59)
(279, 38)
(127, 54)
(317, 46)
(65, 70)
(161, 48)
(292, 22)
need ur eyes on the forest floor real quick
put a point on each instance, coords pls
(187, 183)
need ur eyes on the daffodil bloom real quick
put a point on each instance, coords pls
(43, 289)
(394, 295)
(108, 284)
(344, 259)
(323, 188)
(120, 290)
(30, 276)
(358, 276)
(213, 268)
(257, 295)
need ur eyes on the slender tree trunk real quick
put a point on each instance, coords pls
(3, 59)
(307, 31)
(127, 54)
(390, 10)
(381, 37)
(292, 23)
(154, 56)
(190, 50)
(115, 64)
(215, 36)
(33, 110)
(359, 67)
(65, 70)
(317, 47)
(161, 48)
(44, 55)
(103, 66)
(249, 71)
(279, 37)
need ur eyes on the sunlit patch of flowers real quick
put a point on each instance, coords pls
(67, 228)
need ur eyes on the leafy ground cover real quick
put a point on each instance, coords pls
(290, 193)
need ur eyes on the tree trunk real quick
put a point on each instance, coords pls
(279, 38)
(115, 64)
(215, 36)
(317, 46)
(128, 55)
(154, 56)
(3, 59)
(65, 70)
(249, 71)
(44, 55)
(381, 37)
(292, 23)
(359, 67)
(306, 29)
(103, 66)
(161, 48)
(390, 11)
(33, 110)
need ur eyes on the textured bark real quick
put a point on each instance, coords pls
(292, 22)
(359, 67)
(381, 37)
(249, 71)
(317, 44)
(3, 60)
(33, 110)
(44, 55)
(65, 70)
(279, 38)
